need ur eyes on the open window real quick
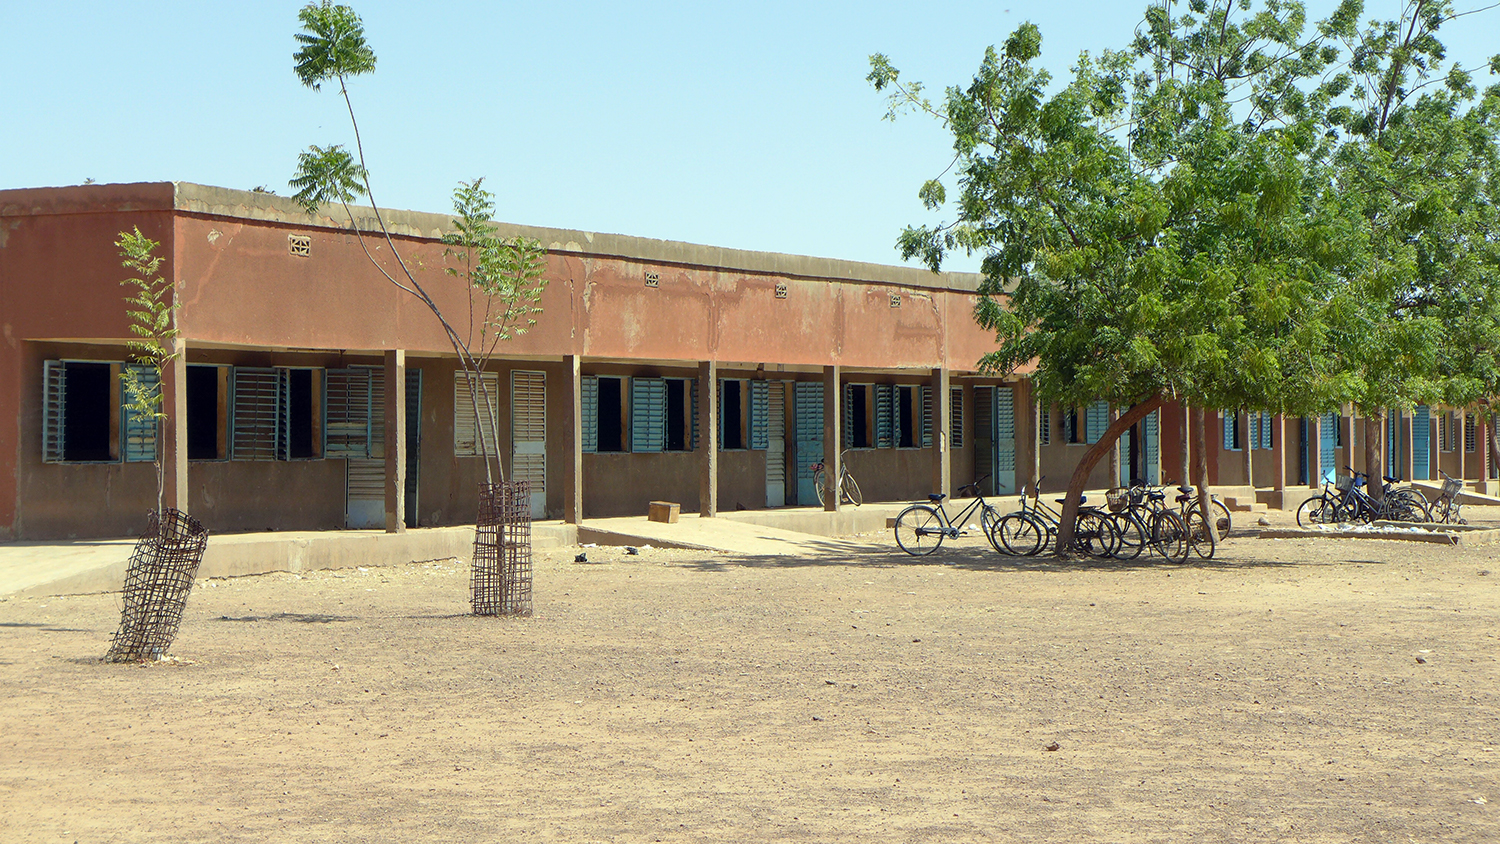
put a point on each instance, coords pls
(81, 414)
(207, 412)
(732, 406)
(603, 422)
(277, 413)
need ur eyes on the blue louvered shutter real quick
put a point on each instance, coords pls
(848, 415)
(256, 407)
(760, 409)
(54, 417)
(1254, 440)
(1327, 446)
(1098, 420)
(139, 429)
(926, 415)
(807, 407)
(885, 416)
(1421, 442)
(1151, 437)
(588, 394)
(1231, 421)
(284, 414)
(648, 414)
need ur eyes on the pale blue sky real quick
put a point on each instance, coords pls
(747, 126)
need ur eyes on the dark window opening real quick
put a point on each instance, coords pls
(300, 415)
(1237, 442)
(86, 412)
(203, 413)
(1070, 426)
(677, 427)
(611, 420)
(906, 413)
(733, 431)
(859, 416)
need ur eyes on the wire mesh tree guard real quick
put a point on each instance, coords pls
(500, 577)
(157, 582)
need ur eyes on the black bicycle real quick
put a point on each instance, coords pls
(921, 528)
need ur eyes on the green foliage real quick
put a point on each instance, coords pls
(332, 45)
(152, 310)
(327, 175)
(504, 273)
(1240, 210)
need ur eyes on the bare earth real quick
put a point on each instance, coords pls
(1310, 691)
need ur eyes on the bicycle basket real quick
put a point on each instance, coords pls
(1344, 483)
(1452, 487)
(1117, 498)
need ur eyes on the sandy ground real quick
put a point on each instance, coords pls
(1310, 691)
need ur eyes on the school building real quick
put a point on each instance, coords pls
(314, 395)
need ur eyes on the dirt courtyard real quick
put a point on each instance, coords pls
(1290, 691)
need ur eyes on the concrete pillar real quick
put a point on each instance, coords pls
(833, 406)
(1346, 454)
(1184, 456)
(395, 441)
(1434, 419)
(573, 443)
(1314, 447)
(942, 420)
(173, 431)
(1278, 453)
(708, 438)
(1114, 451)
(1036, 436)
(1247, 444)
(1482, 451)
(1408, 458)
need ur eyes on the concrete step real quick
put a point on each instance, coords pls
(1236, 504)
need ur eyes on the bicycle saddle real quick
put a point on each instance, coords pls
(1156, 496)
(1391, 480)
(935, 497)
(1185, 490)
(1082, 501)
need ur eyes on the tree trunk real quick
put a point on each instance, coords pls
(1200, 475)
(1104, 446)
(1375, 454)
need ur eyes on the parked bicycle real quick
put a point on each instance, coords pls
(1145, 523)
(921, 528)
(1033, 529)
(1446, 508)
(1347, 502)
(848, 489)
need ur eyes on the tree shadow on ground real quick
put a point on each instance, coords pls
(49, 628)
(297, 617)
(1236, 554)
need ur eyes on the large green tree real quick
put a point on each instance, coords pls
(1160, 227)
(1418, 317)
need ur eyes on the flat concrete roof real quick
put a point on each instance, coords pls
(212, 201)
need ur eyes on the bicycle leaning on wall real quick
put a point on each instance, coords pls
(848, 489)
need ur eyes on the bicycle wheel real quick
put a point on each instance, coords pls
(1020, 534)
(1224, 521)
(989, 522)
(1094, 535)
(1197, 536)
(850, 491)
(819, 478)
(1317, 511)
(919, 530)
(1132, 535)
(1169, 536)
(1408, 505)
